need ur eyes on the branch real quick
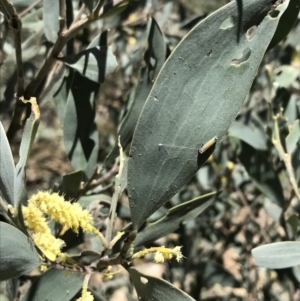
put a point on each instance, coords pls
(16, 25)
(63, 37)
(62, 16)
(115, 197)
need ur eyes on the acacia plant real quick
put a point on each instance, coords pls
(181, 108)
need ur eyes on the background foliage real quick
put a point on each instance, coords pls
(247, 192)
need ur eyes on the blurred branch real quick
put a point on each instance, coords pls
(63, 37)
(62, 16)
(287, 159)
(29, 8)
(115, 197)
(16, 25)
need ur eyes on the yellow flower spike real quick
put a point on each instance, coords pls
(108, 274)
(34, 219)
(85, 295)
(159, 257)
(43, 268)
(116, 238)
(162, 253)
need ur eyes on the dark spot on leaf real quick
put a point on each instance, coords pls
(274, 13)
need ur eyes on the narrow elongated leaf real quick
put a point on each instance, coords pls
(29, 133)
(257, 164)
(278, 255)
(51, 19)
(80, 132)
(171, 221)
(252, 134)
(195, 98)
(286, 22)
(18, 254)
(7, 168)
(93, 63)
(154, 289)
(154, 58)
(71, 184)
(55, 285)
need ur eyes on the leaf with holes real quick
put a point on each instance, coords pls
(154, 289)
(195, 98)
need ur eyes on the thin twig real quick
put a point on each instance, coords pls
(63, 38)
(121, 258)
(115, 197)
(78, 17)
(98, 7)
(86, 186)
(287, 158)
(29, 8)
(16, 25)
(62, 16)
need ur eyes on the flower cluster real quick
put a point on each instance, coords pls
(161, 253)
(70, 215)
(85, 295)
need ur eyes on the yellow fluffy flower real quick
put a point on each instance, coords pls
(85, 295)
(70, 216)
(161, 253)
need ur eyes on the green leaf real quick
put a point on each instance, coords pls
(12, 287)
(87, 200)
(7, 168)
(89, 4)
(286, 76)
(155, 289)
(172, 220)
(293, 221)
(115, 10)
(51, 19)
(251, 133)
(195, 98)
(154, 58)
(71, 184)
(258, 166)
(86, 257)
(55, 285)
(273, 210)
(30, 48)
(33, 21)
(292, 138)
(278, 255)
(286, 22)
(18, 254)
(31, 126)
(94, 63)
(80, 132)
